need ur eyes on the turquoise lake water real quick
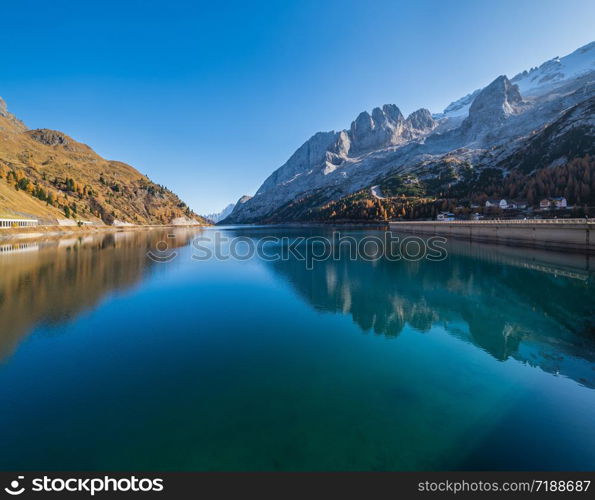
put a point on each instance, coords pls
(112, 361)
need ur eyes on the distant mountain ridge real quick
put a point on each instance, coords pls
(219, 216)
(482, 130)
(47, 175)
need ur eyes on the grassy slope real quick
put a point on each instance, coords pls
(13, 203)
(103, 190)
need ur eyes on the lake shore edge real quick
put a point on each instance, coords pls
(39, 232)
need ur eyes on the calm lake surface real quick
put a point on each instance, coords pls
(110, 360)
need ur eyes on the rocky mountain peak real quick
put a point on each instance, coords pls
(49, 137)
(309, 155)
(421, 120)
(392, 113)
(3, 108)
(500, 93)
(219, 216)
(362, 125)
(383, 128)
(493, 105)
(4, 113)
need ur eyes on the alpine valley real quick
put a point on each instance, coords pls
(527, 137)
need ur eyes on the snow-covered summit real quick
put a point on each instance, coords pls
(459, 107)
(219, 216)
(537, 80)
(556, 70)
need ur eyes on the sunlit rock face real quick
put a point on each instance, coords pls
(486, 128)
(492, 106)
(421, 120)
(384, 127)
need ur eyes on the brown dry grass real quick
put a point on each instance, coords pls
(103, 190)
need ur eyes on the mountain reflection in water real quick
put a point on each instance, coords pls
(535, 306)
(52, 281)
(485, 360)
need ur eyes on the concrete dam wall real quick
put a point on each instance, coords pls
(570, 234)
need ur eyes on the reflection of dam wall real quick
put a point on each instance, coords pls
(575, 234)
(569, 264)
(12, 248)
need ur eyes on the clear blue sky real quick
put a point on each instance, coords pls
(209, 98)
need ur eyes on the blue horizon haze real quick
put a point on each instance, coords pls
(210, 99)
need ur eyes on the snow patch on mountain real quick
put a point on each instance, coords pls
(459, 107)
(540, 79)
(537, 80)
(219, 216)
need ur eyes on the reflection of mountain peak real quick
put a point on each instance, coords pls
(481, 302)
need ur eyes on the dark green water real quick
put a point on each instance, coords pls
(485, 360)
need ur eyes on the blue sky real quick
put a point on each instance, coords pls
(209, 98)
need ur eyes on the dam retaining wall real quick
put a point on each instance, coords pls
(564, 234)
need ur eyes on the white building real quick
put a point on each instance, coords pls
(503, 204)
(445, 216)
(545, 203)
(557, 202)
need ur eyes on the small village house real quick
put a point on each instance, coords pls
(557, 202)
(545, 203)
(445, 216)
(520, 204)
(503, 204)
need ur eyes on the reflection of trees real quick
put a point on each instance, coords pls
(64, 277)
(495, 306)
